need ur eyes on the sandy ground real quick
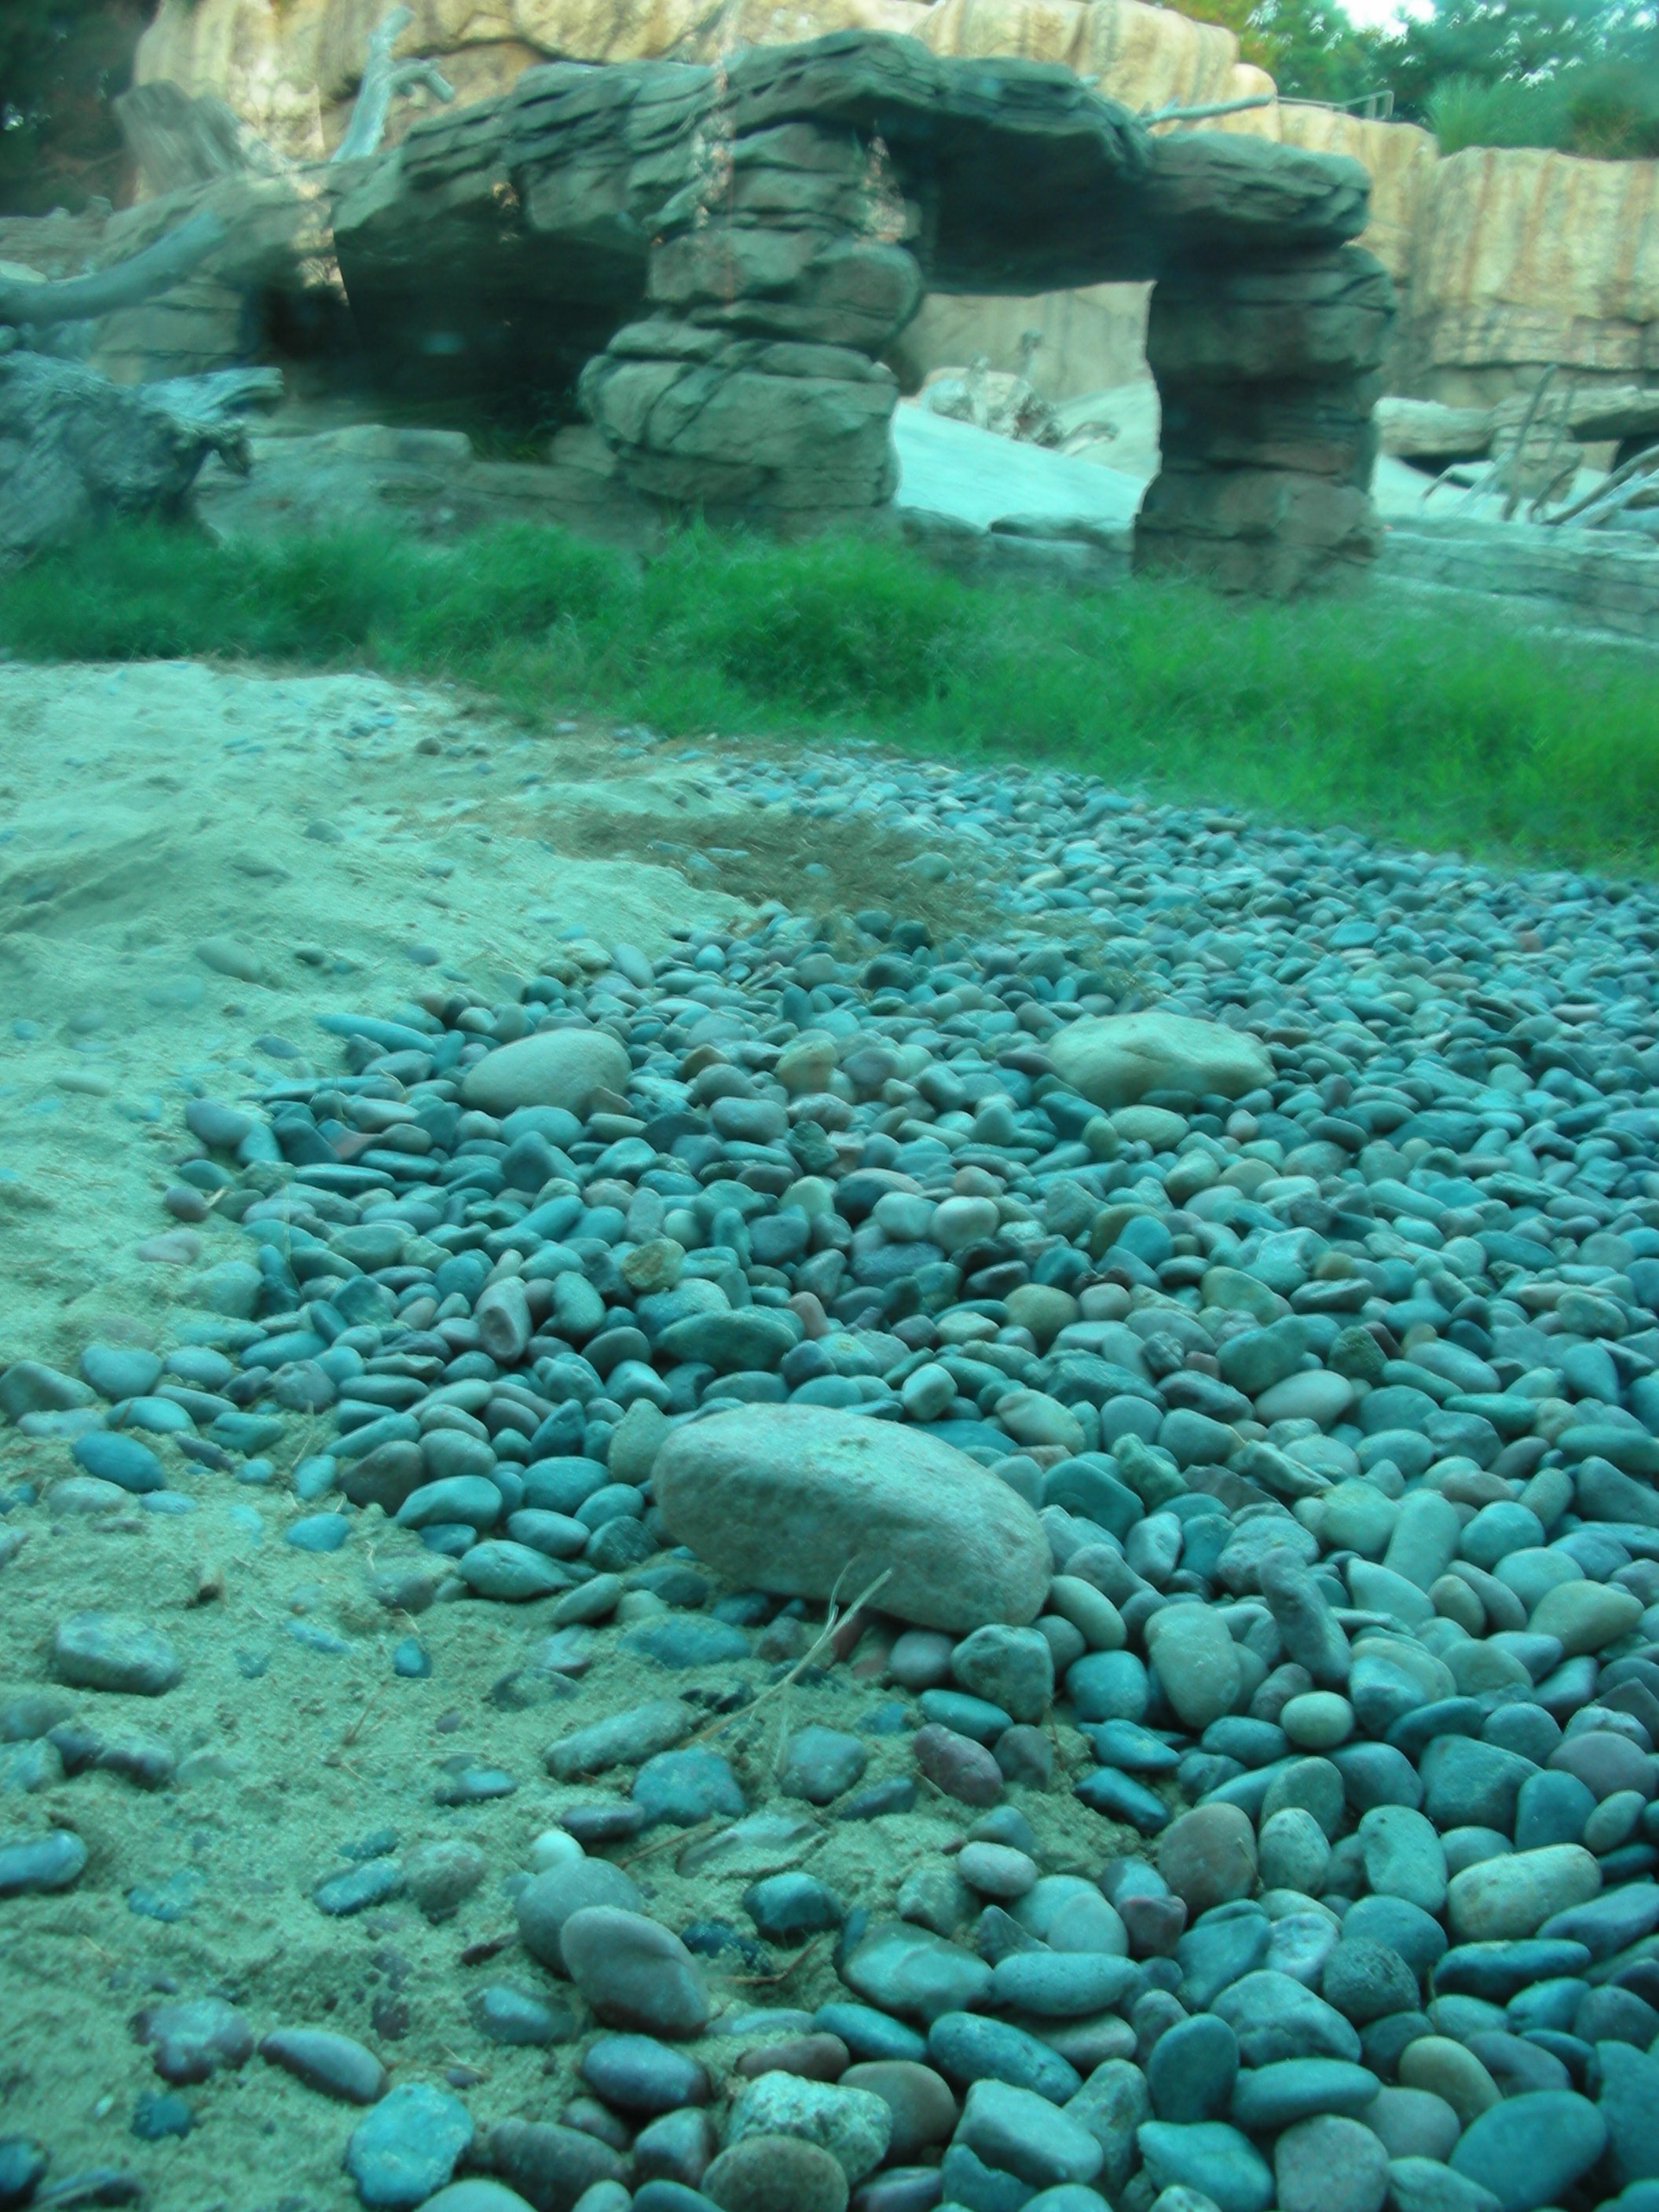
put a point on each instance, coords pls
(355, 839)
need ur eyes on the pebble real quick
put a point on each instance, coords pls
(1243, 1369)
(1530, 2149)
(407, 2146)
(326, 2061)
(50, 1861)
(796, 1499)
(1328, 2164)
(854, 2126)
(633, 1972)
(544, 1904)
(109, 1652)
(773, 2174)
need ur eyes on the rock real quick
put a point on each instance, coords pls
(775, 2173)
(1330, 2164)
(1114, 1059)
(406, 2146)
(967, 2049)
(112, 1456)
(1020, 2133)
(1530, 2150)
(1208, 2156)
(1196, 1660)
(194, 2037)
(638, 2075)
(1628, 2101)
(1293, 1851)
(1403, 1855)
(633, 1972)
(546, 1902)
(625, 1739)
(853, 2125)
(955, 1764)
(513, 1573)
(1367, 1981)
(108, 1651)
(507, 2014)
(686, 1787)
(476, 2195)
(803, 1500)
(924, 2112)
(53, 1860)
(1437, 2064)
(1277, 2095)
(910, 1971)
(1191, 2069)
(1580, 1616)
(548, 2164)
(1208, 1856)
(1514, 1896)
(1423, 2185)
(1013, 1668)
(559, 1067)
(29, 1387)
(819, 1763)
(440, 1876)
(325, 2061)
(1064, 1984)
(1275, 2018)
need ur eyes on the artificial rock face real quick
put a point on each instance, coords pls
(712, 264)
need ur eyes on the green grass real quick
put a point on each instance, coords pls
(1383, 714)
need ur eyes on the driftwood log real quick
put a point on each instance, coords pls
(76, 449)
(83, 299)
(383, 81)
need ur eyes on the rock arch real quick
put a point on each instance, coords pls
(716, 259)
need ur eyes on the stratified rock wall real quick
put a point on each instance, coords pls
(1504, 261)
(1522, 259)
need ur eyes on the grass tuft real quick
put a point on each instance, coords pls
(1383, 714)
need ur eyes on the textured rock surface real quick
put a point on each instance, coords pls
(806, 1502)
(1521, 259)
(713, 261)
(1508, 259)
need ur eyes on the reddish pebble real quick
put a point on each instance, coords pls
(1154, 1925)
(958, 1765)
(814, 2058)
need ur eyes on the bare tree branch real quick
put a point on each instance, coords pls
(383, 80)
(83, 299)
(1175, 112)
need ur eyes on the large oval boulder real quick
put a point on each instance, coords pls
(554, 1067)
(1114, 1059)
(804, 1501)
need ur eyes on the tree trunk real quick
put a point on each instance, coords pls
(76, 449)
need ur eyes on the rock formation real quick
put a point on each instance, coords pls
(713, 263)
(76, 449)
(719, 259)
(1522, 259)
(1505, 260)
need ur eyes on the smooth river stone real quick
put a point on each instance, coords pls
(805, 1502)
(557, 1067)
(633, 1972)
(1515, 1894)
(1114, 1059)
(107, 1652)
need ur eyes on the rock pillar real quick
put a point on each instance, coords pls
(1267, 374)
(753, 388)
